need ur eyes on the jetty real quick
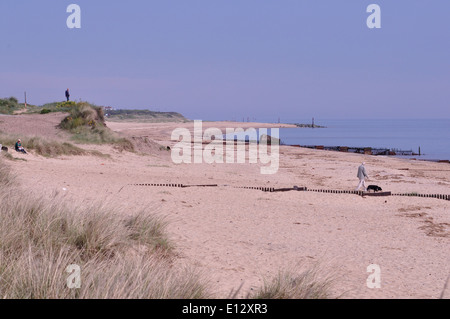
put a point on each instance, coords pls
(312, 125)
(308, 125)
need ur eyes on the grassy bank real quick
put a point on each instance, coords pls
(145, 116)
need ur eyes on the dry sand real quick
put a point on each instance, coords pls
(236, 235)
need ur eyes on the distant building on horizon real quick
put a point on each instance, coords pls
(106, 109)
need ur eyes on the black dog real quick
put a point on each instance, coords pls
(4, 148)
(375, 188)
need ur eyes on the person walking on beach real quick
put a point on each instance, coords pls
(67, 95)
(362, 175)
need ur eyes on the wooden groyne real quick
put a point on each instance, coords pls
(362, 150)
(301, 189)
(264, 189)
(308, 125)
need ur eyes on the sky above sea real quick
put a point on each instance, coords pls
(232, 59)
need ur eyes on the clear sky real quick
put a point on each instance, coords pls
(230, 59)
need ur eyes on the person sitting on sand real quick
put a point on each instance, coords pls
(19, 147)
(362, 175)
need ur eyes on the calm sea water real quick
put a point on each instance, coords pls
(432, 136)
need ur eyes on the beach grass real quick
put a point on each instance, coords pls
(119, 256)
(10, 157)
(46, 148)
(99, 136)
(289, 284)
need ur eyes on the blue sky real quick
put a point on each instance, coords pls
(233, 59)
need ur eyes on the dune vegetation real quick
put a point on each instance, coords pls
(144, 116)
(10, 105)
(46, 148)
(119, 256)
(291, 285)
(86, 123)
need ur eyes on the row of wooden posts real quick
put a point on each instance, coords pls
(296, 188)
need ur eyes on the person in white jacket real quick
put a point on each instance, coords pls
(362, 175)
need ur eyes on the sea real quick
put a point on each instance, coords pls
(430, 137)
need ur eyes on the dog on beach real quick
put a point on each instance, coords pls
(374, 188)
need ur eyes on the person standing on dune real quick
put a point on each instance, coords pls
(362, 175)
(67, 95)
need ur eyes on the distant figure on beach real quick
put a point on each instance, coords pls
(67, 95)
(19, 147)
(362, 175)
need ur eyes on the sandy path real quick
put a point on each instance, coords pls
(33, 125)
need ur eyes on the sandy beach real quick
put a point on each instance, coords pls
(242, 236)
